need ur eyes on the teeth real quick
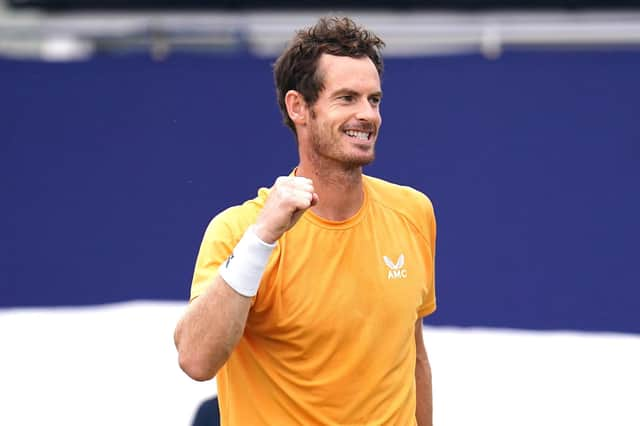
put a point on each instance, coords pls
(360, 135)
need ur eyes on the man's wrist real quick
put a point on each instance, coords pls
(263, 234)
(243, 269)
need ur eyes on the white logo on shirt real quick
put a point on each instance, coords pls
(395, 269)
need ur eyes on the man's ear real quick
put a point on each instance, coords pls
(296, 107)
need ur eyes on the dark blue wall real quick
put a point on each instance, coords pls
(110, 170)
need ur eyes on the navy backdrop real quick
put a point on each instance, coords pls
(110, 170)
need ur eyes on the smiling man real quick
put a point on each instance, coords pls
(307, 301)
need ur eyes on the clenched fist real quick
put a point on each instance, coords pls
(288, 199)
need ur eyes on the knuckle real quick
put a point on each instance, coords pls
(280, 180)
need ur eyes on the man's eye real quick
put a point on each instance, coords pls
(375, 100)
(346, 98)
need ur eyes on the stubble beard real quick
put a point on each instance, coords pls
(326, 148)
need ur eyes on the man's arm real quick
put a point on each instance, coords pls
(202, 346)
(424, 398)
(214, 322)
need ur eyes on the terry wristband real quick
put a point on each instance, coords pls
(242, 270)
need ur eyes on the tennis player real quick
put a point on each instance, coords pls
(307, 301)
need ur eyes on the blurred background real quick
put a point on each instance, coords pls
(126, 126)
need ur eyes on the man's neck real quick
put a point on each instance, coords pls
(339, 190)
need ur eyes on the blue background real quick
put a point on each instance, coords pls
(110, 170)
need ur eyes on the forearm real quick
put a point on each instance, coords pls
(210, 329)
(424, 398)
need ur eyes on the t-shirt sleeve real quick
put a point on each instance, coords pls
(217, 244)
(429, 291)
(220, 238)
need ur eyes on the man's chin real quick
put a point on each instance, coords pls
(361, 160)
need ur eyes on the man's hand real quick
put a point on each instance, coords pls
(288, 199)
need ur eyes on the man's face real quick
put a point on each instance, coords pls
(345, 120)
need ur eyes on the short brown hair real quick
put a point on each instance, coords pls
(296, 68)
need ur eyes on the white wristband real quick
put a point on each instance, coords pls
(242, 270)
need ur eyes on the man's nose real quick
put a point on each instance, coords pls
(368, 111)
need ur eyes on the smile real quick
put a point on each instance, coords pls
(364, 136)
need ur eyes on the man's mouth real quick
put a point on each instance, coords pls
(358, 134)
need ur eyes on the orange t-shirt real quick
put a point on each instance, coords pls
(330, 335)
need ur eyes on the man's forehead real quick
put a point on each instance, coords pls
(345, 71)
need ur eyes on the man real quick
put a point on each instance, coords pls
(307, 301)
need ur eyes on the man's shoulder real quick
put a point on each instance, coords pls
(404, 201)
(401, 198)
(234, 220)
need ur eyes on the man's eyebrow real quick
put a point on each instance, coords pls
(344, 91)
(351, 92)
